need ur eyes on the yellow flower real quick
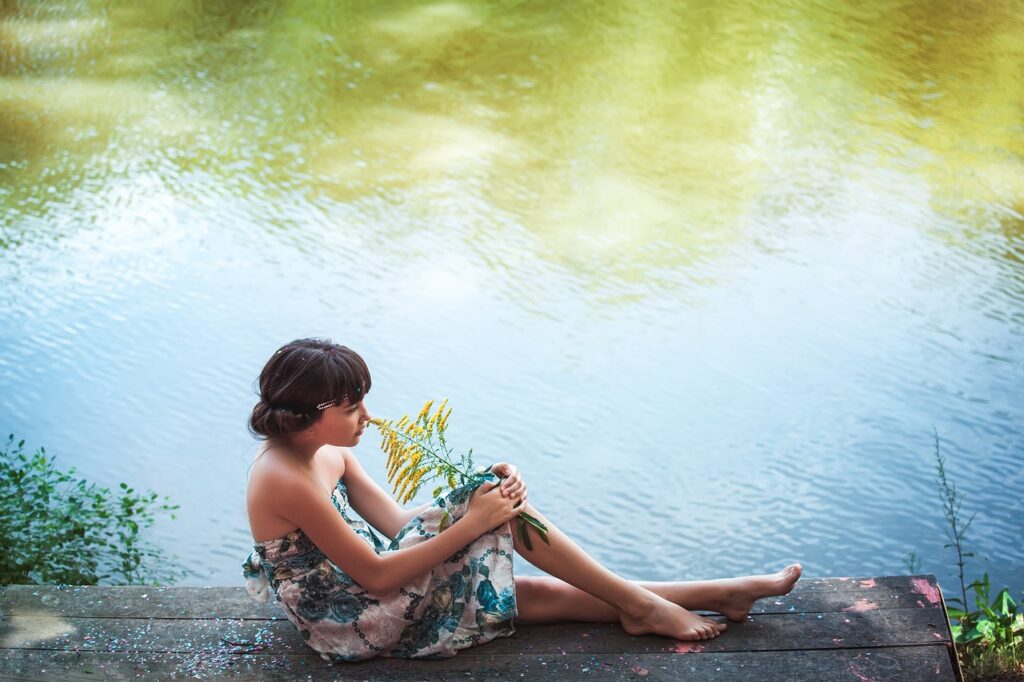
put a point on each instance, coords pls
(426, 409)
(411, 484)
(417, 477)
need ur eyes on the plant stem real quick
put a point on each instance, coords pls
(431, 450)
(951, 502)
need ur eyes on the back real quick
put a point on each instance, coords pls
(275, 472)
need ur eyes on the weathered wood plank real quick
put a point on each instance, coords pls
(813, 595)
(132, 601)
(900, 664)
(857, 628)
(767, 632)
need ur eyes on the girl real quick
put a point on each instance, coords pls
(388, 582)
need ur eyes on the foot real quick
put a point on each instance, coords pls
(663, 617)
(741, 593)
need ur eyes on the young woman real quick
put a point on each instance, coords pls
(389, 582)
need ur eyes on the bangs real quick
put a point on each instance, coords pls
(346, 375)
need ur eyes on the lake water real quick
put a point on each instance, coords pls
(709, 273)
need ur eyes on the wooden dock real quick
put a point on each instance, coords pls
(858, 629)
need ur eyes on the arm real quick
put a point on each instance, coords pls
(312, 511)
(371, 501)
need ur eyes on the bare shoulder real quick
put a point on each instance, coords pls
(272, 470)
(273, 481)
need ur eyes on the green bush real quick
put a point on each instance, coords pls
(990, 639)
(61, 529)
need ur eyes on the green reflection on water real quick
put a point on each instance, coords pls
(622, 135)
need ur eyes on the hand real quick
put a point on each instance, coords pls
(512, 486)
(489, 508)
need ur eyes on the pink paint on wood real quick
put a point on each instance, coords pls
(870, 582)
(929, 591)
(858, 672)
(862, 605)
(687, 648)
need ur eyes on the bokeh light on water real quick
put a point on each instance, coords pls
(709, 273)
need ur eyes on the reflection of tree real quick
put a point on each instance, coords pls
(626, 139)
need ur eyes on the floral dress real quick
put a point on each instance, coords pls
(468, 599)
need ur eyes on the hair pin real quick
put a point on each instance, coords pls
(327, 403)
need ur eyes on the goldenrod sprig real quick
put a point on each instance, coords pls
(415, 458)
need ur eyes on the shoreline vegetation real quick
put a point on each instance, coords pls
(63, 530)
(989, 639)
(60, 529)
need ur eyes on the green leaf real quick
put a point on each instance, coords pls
(972, 635)
(524, 536)
(542, 530)
(533, 521)
(987, 629)
(1004, 602)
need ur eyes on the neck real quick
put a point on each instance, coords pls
(303, 450)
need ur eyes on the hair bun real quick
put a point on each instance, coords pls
(271, 422)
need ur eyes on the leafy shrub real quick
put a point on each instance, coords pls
(990, 639)
(991, 636)
(58, 528)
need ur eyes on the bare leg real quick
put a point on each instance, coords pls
(640, 611)
(548, 599)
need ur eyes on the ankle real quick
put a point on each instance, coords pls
(639, 605)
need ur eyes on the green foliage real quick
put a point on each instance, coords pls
(956, 531)
(912, 562)
(998, 622)
(989, 639)
(61, 529)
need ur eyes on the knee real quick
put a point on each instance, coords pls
(543, 595)
(538, 587)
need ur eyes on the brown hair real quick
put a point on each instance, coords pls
(298, 377)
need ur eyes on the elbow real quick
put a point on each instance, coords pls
(375, 585)
(378, 581)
